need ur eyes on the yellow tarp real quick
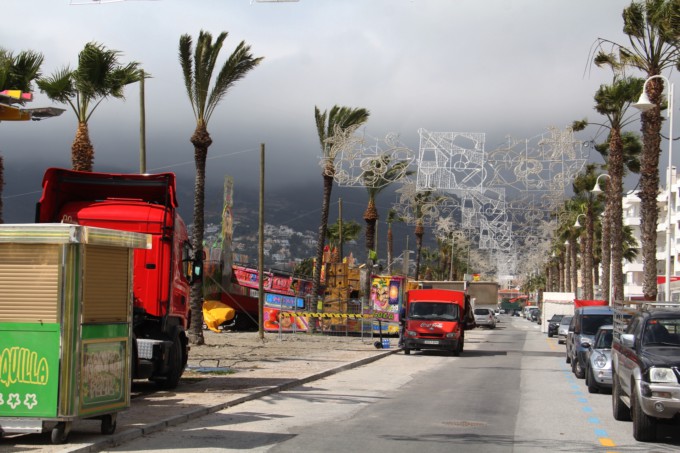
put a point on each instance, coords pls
(215, 313)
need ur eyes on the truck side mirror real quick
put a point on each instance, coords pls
(628, 340)
(196, 268)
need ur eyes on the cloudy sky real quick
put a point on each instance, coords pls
(501, 67)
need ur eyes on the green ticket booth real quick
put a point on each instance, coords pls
(65, 326)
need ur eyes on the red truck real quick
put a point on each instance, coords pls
(162, 275)
(436, 319)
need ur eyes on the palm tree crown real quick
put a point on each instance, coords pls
(98, 76)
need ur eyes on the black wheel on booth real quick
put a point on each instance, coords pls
(59, 434)
(108, 424)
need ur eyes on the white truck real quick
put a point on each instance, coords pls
(556, 303)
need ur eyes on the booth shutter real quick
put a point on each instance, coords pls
(29, 282)
(105, 285)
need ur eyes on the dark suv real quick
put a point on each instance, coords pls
(646, 371)
(554, 324)
(585, 323)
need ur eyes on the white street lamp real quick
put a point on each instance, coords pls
(597, 188)
(577, 224)
(644, 104)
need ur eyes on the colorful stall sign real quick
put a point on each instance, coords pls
(104, 374)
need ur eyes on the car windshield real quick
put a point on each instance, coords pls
(556, 318)
(565, 321)
(604, 339)
(481, 311)
(433, 310)
(590, 323)
(662, 332)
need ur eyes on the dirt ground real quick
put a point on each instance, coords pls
(280, 355)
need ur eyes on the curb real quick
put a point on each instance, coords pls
(134, 433)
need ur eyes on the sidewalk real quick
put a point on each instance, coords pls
(231, 368)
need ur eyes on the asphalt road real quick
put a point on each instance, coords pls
(510, 391)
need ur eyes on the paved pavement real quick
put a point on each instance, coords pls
(202, 393)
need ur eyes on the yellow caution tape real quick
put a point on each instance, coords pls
(325, 315)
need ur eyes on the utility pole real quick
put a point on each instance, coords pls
(260, 250)
(142, 127)
(340, 238)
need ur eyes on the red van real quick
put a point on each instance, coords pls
(436, 319)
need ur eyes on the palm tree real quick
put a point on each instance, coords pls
(350, 232)
(383, 172)
(420, 202)
(17, 73)
(653, 30)
(612, 101)
(392, 216)
(582, 186)
(328, 124)
(198, 72)
(97, 77)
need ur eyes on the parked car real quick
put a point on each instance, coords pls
(484, 317)
(599, 360)
(534, 313)
(645, 361)
(563, 329)
(585, 323)
(553, 324)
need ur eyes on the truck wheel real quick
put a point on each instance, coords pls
(175, 368)
(644, 426)
(407, 351)
(579, 372)
(108, 424)
(619, 410)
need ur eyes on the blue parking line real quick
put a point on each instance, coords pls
(600, 433)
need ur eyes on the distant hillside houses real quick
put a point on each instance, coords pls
(283, 246)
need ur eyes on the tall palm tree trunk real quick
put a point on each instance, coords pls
(588, 255)
(649, 187)
(567, 268)
(419, 232)
(325, 207)
(371, 218)
(82, 151)
(201, 141)
(390, 246)
(606, 243)
(574, 249)
(616, 213)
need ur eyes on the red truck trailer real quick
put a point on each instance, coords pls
(436, 319)
(161, 276)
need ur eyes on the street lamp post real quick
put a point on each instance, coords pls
(644, 104)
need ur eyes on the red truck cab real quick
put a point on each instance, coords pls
(436, 319)
(161, 275)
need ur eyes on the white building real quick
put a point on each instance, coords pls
(633, 276)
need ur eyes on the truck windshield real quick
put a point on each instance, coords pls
(662, 332)
(590, 323)
(433, 311)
